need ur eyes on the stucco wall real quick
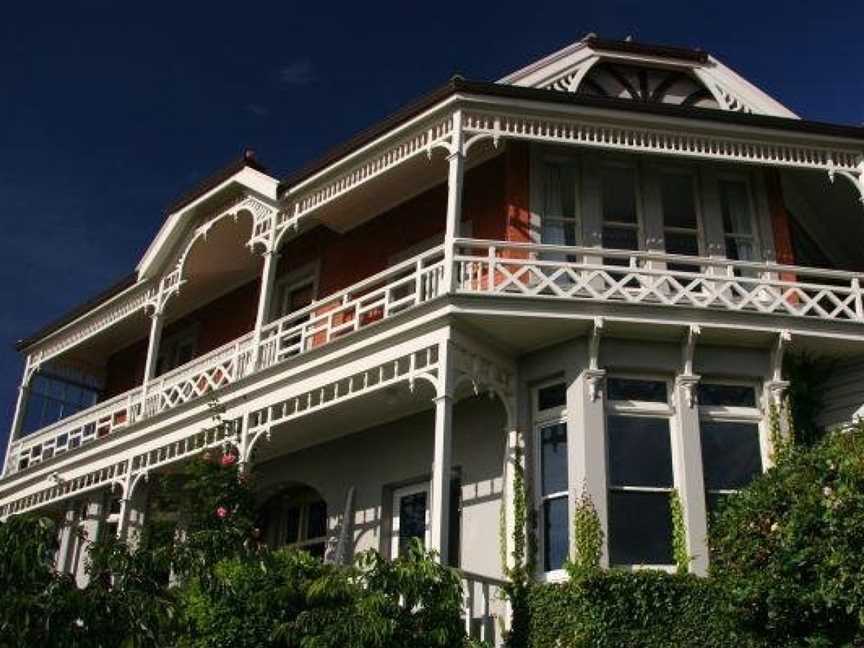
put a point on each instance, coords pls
(380, 459)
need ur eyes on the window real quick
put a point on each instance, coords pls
(177, 349)
(56, 394)
(294, 293)
(640, 472)
(559, 222)
(737, 220)
(551, 425)
(410, 517)
(731, 442)
(297, 518)
(680, 217)
(619, 207)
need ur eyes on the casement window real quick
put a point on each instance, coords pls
(681, 221)
(738, 223)
(54, 395)
(640, 477)
(619, 206)
(410, 517)
(550, 420)
(729, 423)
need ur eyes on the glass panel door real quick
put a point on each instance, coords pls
(410, 518)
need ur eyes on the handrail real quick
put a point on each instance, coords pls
(662, 257)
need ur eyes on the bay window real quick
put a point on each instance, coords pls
(731, 442)
(551, 428)
(640, 478)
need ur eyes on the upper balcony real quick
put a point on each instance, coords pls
(488, 211)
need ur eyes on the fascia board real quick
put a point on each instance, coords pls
(364, 150)
(751, 94)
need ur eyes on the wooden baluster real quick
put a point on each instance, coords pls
(859, 307)
(490, 268)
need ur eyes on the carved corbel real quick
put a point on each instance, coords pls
(595, 379)
(594, 343)
(688, 384)
(776, 387)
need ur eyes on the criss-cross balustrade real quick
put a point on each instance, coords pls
(656, 279)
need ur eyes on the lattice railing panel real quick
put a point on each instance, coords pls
(200, 377)
(559, 272)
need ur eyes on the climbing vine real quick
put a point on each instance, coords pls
(679, 533)
(587, 537)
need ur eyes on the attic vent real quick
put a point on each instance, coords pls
(646, 85)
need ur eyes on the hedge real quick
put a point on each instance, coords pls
(616, 608)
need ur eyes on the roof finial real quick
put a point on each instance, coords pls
(248, 154)
(629, 39)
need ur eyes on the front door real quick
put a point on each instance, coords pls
(410, 517)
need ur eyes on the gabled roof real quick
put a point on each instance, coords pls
(570, 68)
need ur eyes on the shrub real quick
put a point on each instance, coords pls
(789, 549)
(648, 609)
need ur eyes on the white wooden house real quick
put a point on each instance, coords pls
(601, 258)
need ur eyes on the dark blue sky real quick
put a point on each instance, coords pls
(108, 111)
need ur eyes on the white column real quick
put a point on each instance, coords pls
(157, 319)
(265, 296)
(689, 480)
(586, 427)
(68, 537)
(455, 174)
(91, 525)
(442, 456)
(133, 512)
(18, 417)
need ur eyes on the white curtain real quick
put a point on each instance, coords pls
(552, 228)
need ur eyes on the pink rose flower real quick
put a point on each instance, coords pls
(222, 512)
(228, 459)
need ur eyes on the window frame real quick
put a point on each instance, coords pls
(542, 419)
(291, 281)
(608, 160)
(642, 409)
(395, 522)
(754, 238)
(698, 196)
(735, 414)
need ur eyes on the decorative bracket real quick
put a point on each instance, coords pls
(777, 353)
(594, 344)
(856, 180)
(688, 349)
(594, 378)
(688, 383)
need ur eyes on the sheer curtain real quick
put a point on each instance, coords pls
(552, 225)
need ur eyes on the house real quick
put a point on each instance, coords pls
(599, 259)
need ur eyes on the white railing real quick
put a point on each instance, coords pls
(77, 430)
(481, 267)
(484, 609)
(201, 376)
(647, 278)
(379, 297)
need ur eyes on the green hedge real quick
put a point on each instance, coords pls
(617, 609)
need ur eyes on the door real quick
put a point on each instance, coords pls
(410, 517)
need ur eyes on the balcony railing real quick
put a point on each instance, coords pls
(484, 608)
(656, 279)
(376, 298)
(481, 267)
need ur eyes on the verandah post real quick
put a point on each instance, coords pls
(455, 174)
(442, 454)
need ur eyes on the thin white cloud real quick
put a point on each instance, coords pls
(257, 109)
(296, 73)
